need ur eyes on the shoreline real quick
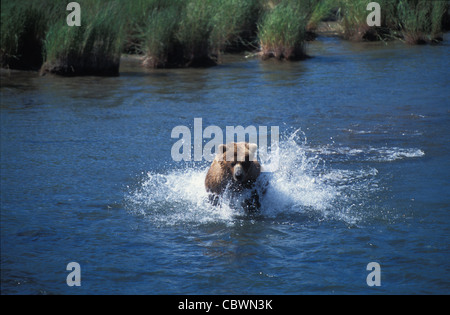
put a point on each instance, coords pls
(198, 33)
(324, 29)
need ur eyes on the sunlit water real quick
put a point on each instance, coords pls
(87, 176)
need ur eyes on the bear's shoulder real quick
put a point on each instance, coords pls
(216, 177)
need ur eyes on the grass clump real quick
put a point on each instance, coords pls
(94, 48)
(139, 24)
(183, 33)
(354, 19)
(161, 48)
(319, 12)
(235, 25)
(178, 34)
(282, 31)
(414, 21)
(23, 27)
(194, 33)
(420, 21)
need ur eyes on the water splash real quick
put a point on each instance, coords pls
(301, 184)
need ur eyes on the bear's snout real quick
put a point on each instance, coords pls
(238, 173)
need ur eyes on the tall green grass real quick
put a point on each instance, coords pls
(92, 48)
(282, 31)
(181, 33)
(23, 27)
(196, 32)
(420, 21)
(320, 10)
(138, 24)
(354, 19)
(235, 25)
(414, 21)
(161, 47)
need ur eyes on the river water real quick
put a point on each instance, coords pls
(87, 176)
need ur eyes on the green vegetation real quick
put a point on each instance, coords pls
(23, 27)
(421, 21)
(414, 21)
(139, 14)
(188, 33)
(354, 19)
(160, 46)
(92, 48)
(195, 32)
(282, 31)
(235, 25)
(34, 35)
(320, 10)
(287, 25)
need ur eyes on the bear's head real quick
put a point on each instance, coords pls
(239, 160)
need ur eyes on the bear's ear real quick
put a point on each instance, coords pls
(220, 151)
(252, 147)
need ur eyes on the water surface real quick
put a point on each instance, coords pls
(87, 176)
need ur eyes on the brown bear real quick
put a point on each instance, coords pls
(234, 168)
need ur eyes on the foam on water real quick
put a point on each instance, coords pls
(382, 154)
(302, 184)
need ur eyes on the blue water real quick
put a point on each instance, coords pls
(87, 176)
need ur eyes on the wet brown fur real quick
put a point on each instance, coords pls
(223, 169)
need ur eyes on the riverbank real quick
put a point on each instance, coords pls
(326, 31)
(196, 33)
